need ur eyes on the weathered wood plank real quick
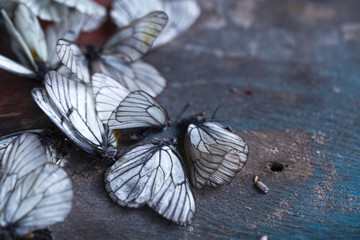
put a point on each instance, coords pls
(301, 62)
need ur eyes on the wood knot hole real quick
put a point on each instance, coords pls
(275, 166)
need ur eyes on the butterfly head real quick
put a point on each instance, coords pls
(42, 70)
(92, 53)
(196, 119)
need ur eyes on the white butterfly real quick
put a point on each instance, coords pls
(153, 174)
(72, 107)
(34, 193)
(35, 49)
(118, 56)
(128, 113)
(53, 147)
(214, 154)
(182, 14)
(57, 10)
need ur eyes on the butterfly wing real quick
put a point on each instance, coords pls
(73, 58)
(138, 110)
(70, 105)
(53, 155)
(41, 97)
(134, 76)
(34, 193)
(18, 41)
(42, 198)
(95, 11)
(152, 175)
(29, 28)
(133, 41)
(108, 94)
(214, 154)
(13, 67)
(69, 29)
(46, 9)
(182, 14)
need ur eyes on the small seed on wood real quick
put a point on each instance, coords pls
(261, 185)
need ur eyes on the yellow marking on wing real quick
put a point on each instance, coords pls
(150, 31)
(34, 54)
(28, 236)
(117, 135)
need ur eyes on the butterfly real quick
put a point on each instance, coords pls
(54, 148)
(213, 153)
(34, 193)
(153, 174)
(71, 105)
(138, 113)
(57, 10)
(118, 56)
(35, 49)
(182, 14)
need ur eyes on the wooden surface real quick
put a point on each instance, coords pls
(287, 77)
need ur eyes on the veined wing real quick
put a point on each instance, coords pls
(13, 67)
(42, 99)
(51, 145)
(48, 10)
(138, 110)
(22, 155)
(69, 29)
(182, 14)
(34, 193)
(29, 28)
(71, 106)
(88, 7)
(19, 42)
(133, 41)
(41, 198)
(152, 175)
(108, 94)
(73, 58)
(214, 154)
(134, 76)
(96, 12)
(58, 10)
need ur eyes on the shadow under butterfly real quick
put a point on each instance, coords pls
(182, 14)
(35, 49)
(119, 56)
(34, 192)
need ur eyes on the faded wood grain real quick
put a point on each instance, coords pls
(301, 62)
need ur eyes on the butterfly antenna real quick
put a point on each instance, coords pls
(189, 104)
(213, 116)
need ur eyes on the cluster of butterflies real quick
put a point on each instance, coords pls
(99, 96)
